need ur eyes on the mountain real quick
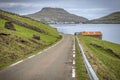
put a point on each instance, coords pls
(56, 15)
(21, 37)
(113, 18)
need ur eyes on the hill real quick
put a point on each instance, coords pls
(113, 18)
(104, 57)
(21, 37)
(56, 15)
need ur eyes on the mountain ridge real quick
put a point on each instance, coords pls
(56, 15)
(112, 18)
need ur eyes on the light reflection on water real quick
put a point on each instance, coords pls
(111, 32)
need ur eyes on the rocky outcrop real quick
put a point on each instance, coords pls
(36, 36)
(9, 25)
(4, 34)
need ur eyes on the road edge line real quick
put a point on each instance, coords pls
(73, 61)
(37, 53)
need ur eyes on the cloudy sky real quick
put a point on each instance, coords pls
(90, 9)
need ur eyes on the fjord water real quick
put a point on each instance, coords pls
(110, 32)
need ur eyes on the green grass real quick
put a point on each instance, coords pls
(47, 28)
(11, 50)
(104, 63)
(27, 33)
(81, 72)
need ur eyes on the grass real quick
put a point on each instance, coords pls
(27, 33)
(47, 28)
(106, 64)
(12, 49)
(81, 72)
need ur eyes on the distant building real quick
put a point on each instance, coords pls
(96, 34)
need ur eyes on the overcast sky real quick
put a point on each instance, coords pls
(90, 9)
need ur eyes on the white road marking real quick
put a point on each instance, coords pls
(16, 63)
(73, 62)
(73, 67)
(53, 45)
(73, 55)
(36, 54)
(39, 52)
(31, 56)
(73, 73)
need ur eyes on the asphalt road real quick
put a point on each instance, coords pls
(53, 64)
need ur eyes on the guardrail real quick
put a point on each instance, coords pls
(89, 68)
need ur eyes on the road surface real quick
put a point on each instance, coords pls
(53, 64)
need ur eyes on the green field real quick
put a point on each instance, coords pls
(81, 72)
(104, 57)
(19, 44)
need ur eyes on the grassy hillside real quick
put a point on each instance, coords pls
(113, 18)
(104, 57)
(16, 45)
(32, 22)
(81, 72)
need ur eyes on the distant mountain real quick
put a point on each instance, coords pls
(113, 18)
(56, 15)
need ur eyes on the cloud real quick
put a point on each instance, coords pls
(31, 4)
(90, 13)
(96, 9)
(13, 4)
(88, 9)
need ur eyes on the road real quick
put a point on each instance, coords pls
(53, 64)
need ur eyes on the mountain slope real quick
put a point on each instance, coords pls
(113, 18)
(53, 15)
(20, 43)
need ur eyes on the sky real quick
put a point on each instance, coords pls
(90, 9)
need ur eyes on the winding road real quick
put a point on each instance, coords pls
(52, 64)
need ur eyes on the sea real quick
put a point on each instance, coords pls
(110, 32)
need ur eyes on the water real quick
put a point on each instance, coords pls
(111, 32)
